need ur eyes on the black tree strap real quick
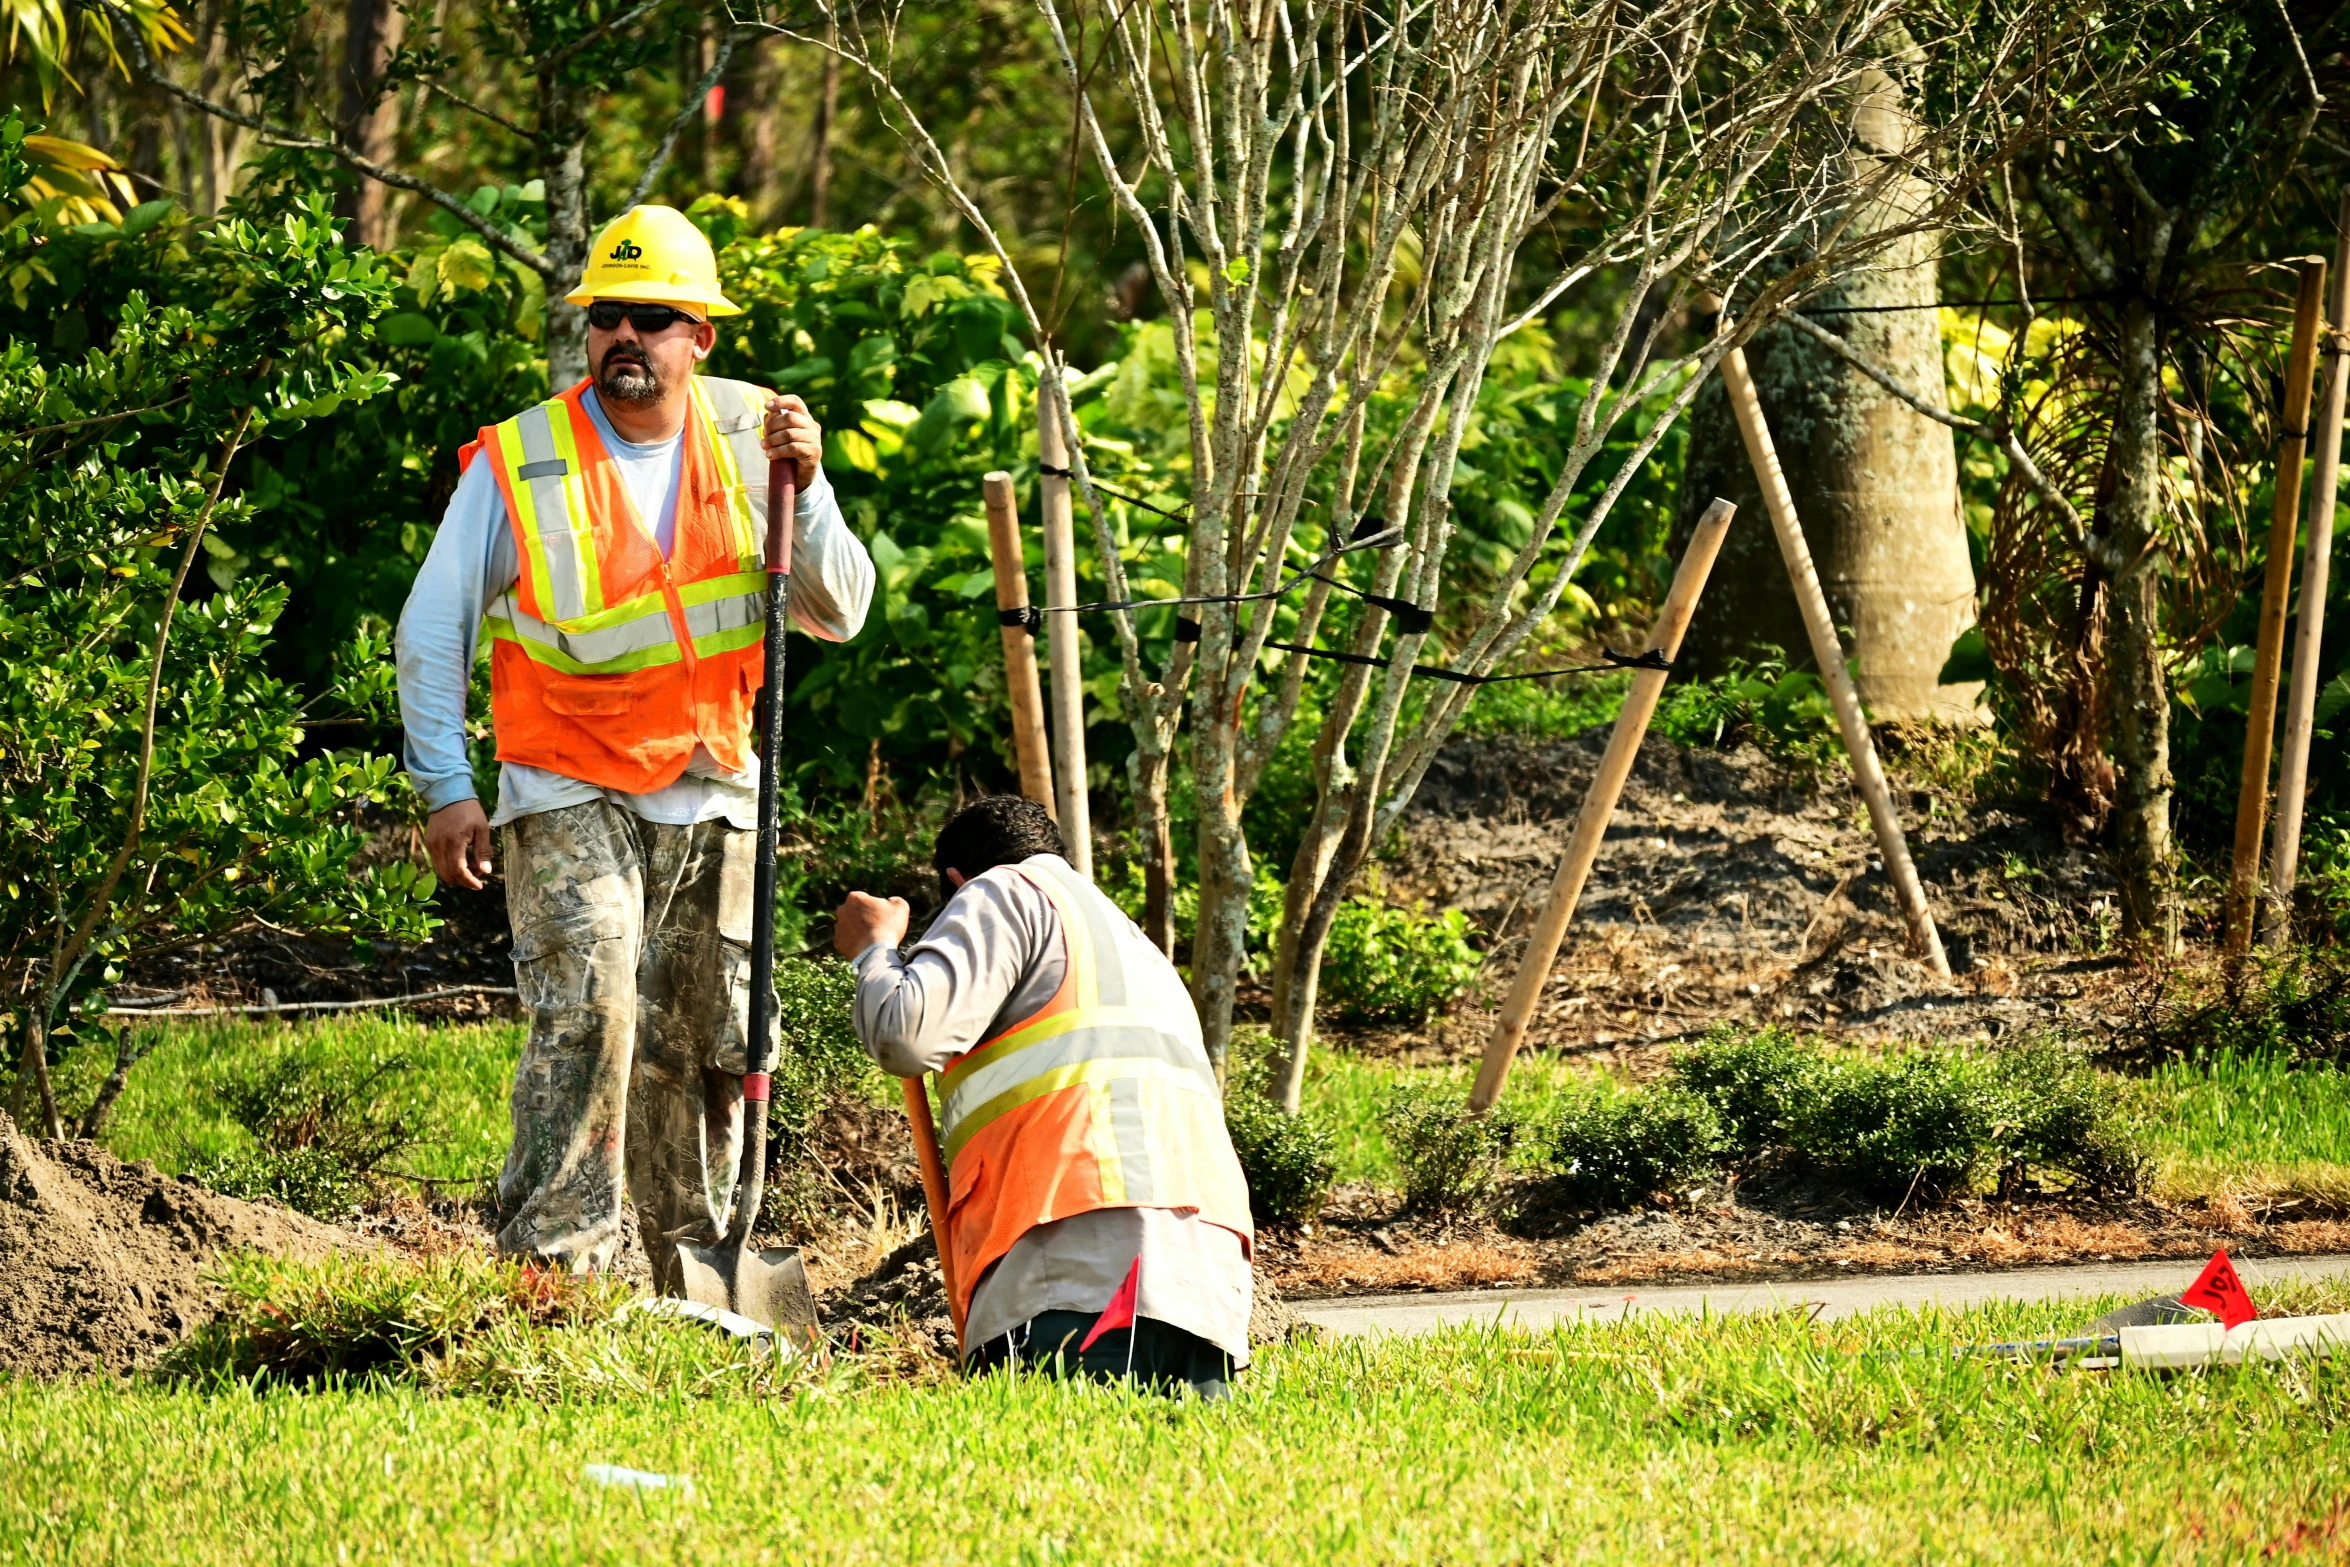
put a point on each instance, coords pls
(1654, 658)
(1121, 495)
(1410, 618)
(1032, 616)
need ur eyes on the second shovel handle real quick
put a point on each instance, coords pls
(934, 1187)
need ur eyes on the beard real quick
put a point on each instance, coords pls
(627, 376)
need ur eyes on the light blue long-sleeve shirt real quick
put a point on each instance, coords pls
(472, 561)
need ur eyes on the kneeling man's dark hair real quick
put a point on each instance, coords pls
(1001, 829)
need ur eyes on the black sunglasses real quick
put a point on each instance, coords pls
(605, 315)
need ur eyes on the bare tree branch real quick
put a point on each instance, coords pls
(467, 104)
(2000, 434)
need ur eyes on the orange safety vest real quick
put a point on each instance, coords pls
(1100, 1100)
(607, 662)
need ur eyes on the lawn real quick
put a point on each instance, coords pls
(1737, 1440)
(450, 1082)
(2250, 1124)
(2226, 1122)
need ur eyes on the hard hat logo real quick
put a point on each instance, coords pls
(654, 255)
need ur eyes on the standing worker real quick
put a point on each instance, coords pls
(610, 542)
(1087, 1160)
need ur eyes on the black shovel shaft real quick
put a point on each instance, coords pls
(750, 1187)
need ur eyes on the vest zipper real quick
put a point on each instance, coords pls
(677, 625)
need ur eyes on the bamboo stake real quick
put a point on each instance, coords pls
(1599, 806)
(2284, 850)
(1867, 772)
(2260, 713)
(1011, 593)
(1060, 591)
(934, 1189)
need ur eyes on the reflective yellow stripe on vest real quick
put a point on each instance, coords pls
(1126, 1056)
(737, 462)
(549, 492)
(583, 635)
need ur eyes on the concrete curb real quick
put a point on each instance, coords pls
(1357, 1315)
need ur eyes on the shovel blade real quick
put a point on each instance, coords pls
(769, 1287)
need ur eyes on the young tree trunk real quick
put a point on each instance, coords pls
(372, 30)
(820, 150)
(567, 246)
(36, 1061)
(1219, 939)
(2127, 511)
(1146, 771)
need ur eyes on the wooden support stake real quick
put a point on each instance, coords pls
(2284, 849)
(1011, 593)
(1074, 810)
(934, 1187)
(1599, 806)
(1867, 772)
(2260, 712)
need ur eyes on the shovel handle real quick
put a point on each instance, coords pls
(934, 1188)
(751, 1184)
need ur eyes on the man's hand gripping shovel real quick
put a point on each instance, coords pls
(769, 1287)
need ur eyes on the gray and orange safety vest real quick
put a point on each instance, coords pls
(609, 663)
(1099, 1100)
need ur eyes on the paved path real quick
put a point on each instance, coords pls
(1360, 1314)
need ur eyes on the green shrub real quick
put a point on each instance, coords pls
(1754, 1081)
(2294, 1004)
(1784, 711)
(1389, 965)
(321, 1127)
(307, 1180)
(2064, 1115)
(1289, 1161)
(1613, 1149)
(819, 1057)
(1451, 1159)
(1919, 1126)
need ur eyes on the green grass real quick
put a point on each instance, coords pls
(1348, 1089)
(2227, 1122)
(2249, 1123)
(1726, 1441)
(457, 1088)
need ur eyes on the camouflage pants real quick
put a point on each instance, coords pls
(631, 954)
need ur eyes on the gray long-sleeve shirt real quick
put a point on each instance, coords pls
(995, 956)
(472, 561)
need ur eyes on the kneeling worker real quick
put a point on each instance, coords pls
(1087, 1160)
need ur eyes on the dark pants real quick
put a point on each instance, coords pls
(1164, 1359)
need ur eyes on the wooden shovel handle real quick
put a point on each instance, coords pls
(934, 1188)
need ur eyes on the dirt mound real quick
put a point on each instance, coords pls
(102, 1260)
(1732, 885)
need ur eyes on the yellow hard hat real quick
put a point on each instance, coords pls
(657, 255)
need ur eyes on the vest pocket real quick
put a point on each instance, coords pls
(586, 697)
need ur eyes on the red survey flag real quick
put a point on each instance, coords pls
(2217, 1290)
(1119, 1313)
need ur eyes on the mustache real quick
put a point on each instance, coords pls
(622, 353)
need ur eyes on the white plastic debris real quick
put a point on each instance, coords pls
(2189, 1345)
(638, 1479)
(732, 1323)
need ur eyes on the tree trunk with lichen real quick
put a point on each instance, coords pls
(1875, 481)
(2128, 508)
(567, 238)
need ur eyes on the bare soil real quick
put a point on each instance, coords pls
(1733, 885)
(103, 1261)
